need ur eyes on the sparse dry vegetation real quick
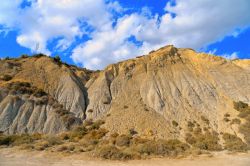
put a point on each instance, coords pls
(205, 120)
(5, 77)
(91, 137)
(24, 56)
(226, 119)
(21, 88)
(244, 128)
(227, 115)
(205, 141)
(174, 123)
(233, 143)
(236, 121)
(240, 106)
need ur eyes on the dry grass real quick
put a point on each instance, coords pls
(204, 141)
(234, 143)
(244, 128)
(112, 152)
(91, 137)
(123, 140)
(162, 148)
(136, 148)
(236, 121)
(16, 140)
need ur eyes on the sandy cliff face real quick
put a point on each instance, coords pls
(20, 112)
(156, 94)
(150, 92)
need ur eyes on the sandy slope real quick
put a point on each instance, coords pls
(9, 157)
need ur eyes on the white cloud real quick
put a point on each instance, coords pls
(196, 24)
(46, 20)
(232, 56)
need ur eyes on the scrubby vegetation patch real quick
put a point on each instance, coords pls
(244, 113)
(234, 143)
(91, 137)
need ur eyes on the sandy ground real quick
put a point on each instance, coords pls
(10, 157)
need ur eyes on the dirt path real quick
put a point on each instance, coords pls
(9, 157)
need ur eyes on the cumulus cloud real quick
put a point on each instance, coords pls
(186, 24)
(114, 35)
(45, 20)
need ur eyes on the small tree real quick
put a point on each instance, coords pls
(24, 56)
(57, 59)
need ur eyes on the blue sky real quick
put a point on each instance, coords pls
(95, 34)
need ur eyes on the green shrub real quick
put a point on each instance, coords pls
(226, 119)
(5, 140)
(6, 77)
(234, 143)
(227, 115)
(24, 56)
(174, 123)
(16, 140)
(239, 106)
(39, 55)
(205, 120)
(57, 59)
